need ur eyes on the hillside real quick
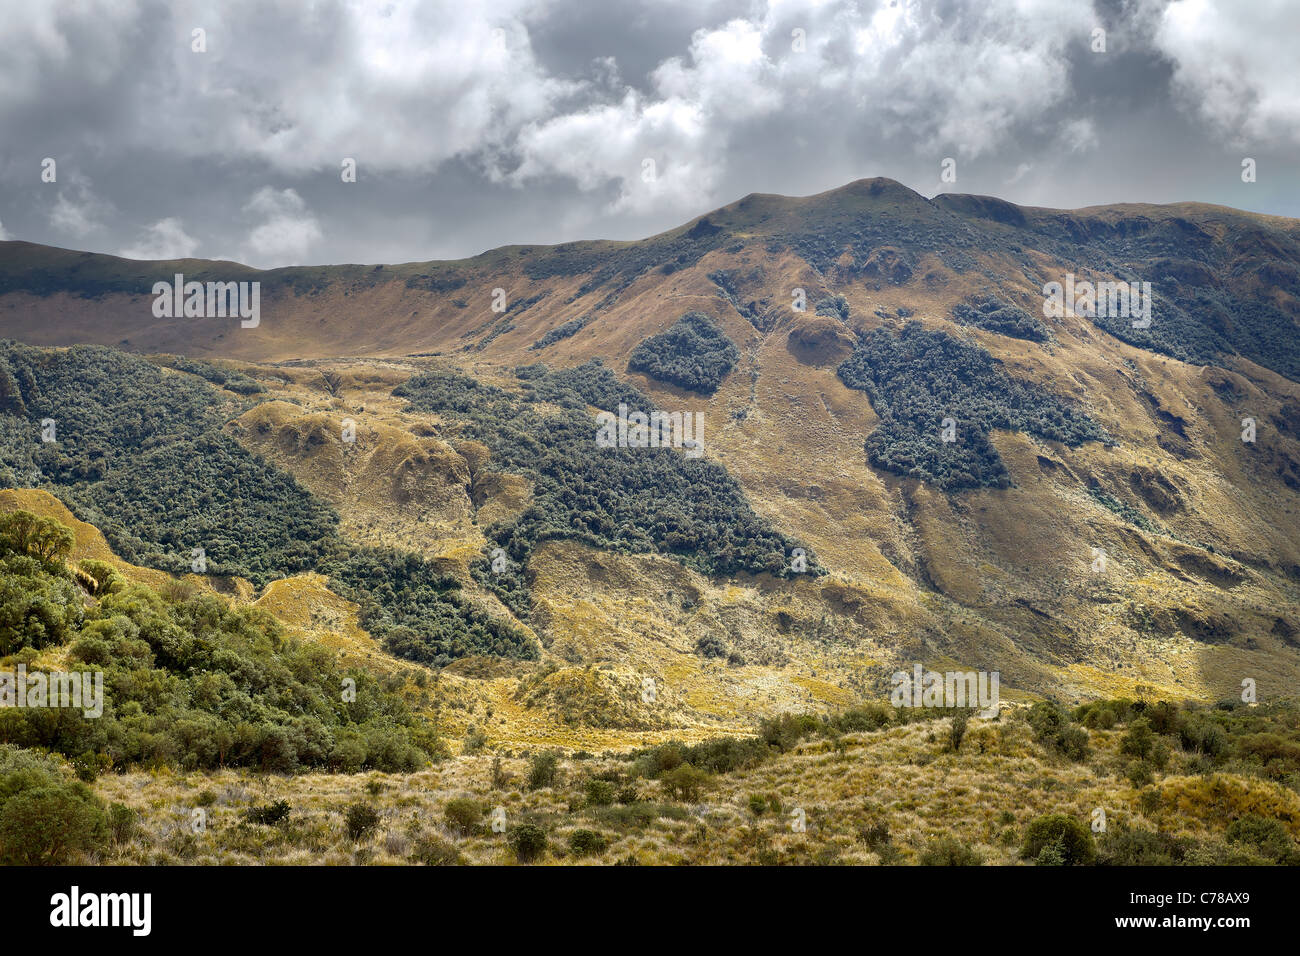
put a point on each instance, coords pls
(657, 654)
(1077, 434)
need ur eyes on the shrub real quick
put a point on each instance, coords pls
(463, 814)
(694, 354)
(1069, 841)
(50, 826)
(949, 851)
(361, 819)
(1142, 848)
(543, 769)
(270, 814)
(528, 840)
(957, 729)
(1267, 837)
(916, 378)
(121, 823)
(1138, 740)
(435, 851)
(987, 312)
(587, 842)
(685, 782)
(1052, 728)
(600, 793)
(1139, 773)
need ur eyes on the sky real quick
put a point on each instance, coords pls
(224, 130)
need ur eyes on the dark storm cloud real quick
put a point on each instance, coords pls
(510, 122)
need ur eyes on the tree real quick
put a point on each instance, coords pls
(22, 532)
(50, 826)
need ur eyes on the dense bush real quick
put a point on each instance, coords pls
(141, 455)
(633, 500)
(360, 820)
(987, 312)
(192, 681)
(417, 611)
(1053, 729)
(528, 840)
(693, 353)
(561, 332)
(949, 851)
(46, 818)
(1058, 839)
(587, 843)
(229, 379)
(918, 378)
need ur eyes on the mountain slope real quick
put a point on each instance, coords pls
(1199, 529)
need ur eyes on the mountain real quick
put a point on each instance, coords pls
(907, 448)
(1097, 527)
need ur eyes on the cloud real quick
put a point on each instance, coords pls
(287, 231)
(3, 234)
(475, 125)
(961, 85)
(1234, 65)
(165, 239)
(77, 211)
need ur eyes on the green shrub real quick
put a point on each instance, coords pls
(918, 377)
(50, 825)
(360, 819)
(587, 843)
(949, 851)
(269, 815)
(543, 770)
(600, 793)
(1142, 848)
(528, 840)
(685, 782)
(1067, 838)
(463, 814)
(694, 354)
(435, 851)
(1138, 740)
(1268, 837)
(121, 823)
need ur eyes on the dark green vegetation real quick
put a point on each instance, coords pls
(140, 454)
(694, 353)
(417, 612)
(989, 313)
(216, 374)
(632, 500)
(187, 680)
(837, 307)
(46, 817)
(1203, 741)
(917, 378)
(561, 332)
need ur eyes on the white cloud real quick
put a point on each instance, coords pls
(1235, 65)
(77, 211)
(4, 235)
(165, 239)
(957, 87)
(1079, 135)
(287, 231)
